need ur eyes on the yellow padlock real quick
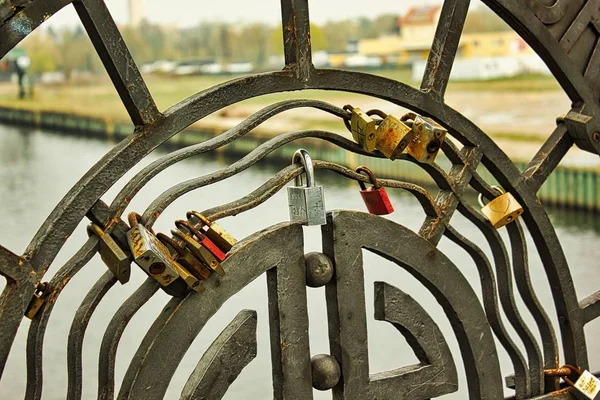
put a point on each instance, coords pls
(363, 129)
(37, 301)
(392, 137)
(502, 210)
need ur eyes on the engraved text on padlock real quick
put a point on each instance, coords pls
(306, 204)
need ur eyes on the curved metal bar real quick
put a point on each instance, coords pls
(223, 361)
(23, 20)
(249, 259)
(37, 329)
(520, 264)
(537, 35)
(147, 173)
(51, 235)
(114, 332)
(490, 304)
(421, 194)
(159, 204)
(280, 179)
(435, 375)
(507, 299)
(77, 332)
(346, 234)
(15, 297)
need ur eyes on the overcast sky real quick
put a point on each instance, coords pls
(190, 12)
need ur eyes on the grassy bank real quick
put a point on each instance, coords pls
(100, 98)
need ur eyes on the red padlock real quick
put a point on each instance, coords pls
(375, 197)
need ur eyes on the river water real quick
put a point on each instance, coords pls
(37, 168)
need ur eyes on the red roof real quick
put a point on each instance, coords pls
(421, 15)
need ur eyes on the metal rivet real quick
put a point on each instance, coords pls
(596, 136)
(319, 269)
(325, 371)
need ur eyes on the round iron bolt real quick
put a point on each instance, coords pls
(319, 269)
(596, 136)
(325, 371)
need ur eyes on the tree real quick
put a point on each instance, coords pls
(317, 39)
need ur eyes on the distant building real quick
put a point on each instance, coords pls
(420, 22)
(136, 12)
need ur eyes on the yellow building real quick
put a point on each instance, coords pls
(492, 44)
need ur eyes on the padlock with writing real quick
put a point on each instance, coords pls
(306, 204)
(586, 387)
(214, 232)
(363, 129)
(375, 197)
(502, 210)
(392, 137)
(185, 258)
(427, 138)
(202, 250)
(149, 253)
(111, 253)
(37, 301)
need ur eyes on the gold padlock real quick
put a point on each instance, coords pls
(39, 298)
(392, 137)
(502, 210)
(363, 129)
(185, 258)
(200, 252)
(427, 138)
(214, 232)
(113, 256)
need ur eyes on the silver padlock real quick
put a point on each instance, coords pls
(307, 203)
(150, 254)
(587, 387)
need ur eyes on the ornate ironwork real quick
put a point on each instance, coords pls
(565, 37)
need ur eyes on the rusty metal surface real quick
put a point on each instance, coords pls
(566, 37)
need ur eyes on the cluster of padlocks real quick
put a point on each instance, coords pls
(197, 247)
(420, 137)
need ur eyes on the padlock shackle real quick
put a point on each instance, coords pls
(495, 187)
(180, 222)
(171, 242)
(371, 175)
(94, 229)
(309, 169)
(134, 219)
(201, 217)
(377, 112)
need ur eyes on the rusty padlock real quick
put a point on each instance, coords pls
(392, 137)
(203, 248)
(184, 257)
(427, 138)
(149, 253)
(375, 197)
(502, 210)
(214, 232)
(113, 256)
(363, 128)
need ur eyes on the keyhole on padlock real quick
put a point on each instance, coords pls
(157, 268)
(432, 147)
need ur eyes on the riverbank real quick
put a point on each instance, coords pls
(575, 188)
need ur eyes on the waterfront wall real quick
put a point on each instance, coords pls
(567, 187)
